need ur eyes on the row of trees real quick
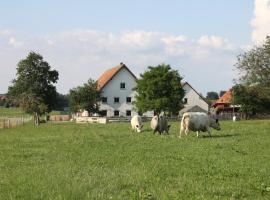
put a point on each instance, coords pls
(158, 88)
(33, 89)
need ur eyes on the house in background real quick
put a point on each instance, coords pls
(225, 104)
(193, 101)
(116, 86)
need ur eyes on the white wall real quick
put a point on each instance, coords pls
(193, 98)
(112, 89)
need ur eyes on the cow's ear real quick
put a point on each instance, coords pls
(169, 126)
(216, 120)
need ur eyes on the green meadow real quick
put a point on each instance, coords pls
(94, 161)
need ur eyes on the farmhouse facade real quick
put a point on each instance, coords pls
(116, 86)
(193, 101)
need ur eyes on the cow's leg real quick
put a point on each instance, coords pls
(186, 131)
(181, 132)
(198, 134)
(208, 130)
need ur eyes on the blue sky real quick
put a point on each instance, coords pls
(199, 38)
(228, 18)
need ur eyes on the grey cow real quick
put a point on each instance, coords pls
(160, 124)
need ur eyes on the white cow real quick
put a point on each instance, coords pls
(136, 123)
(197, 121)
(160, 124)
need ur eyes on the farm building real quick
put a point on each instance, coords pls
(116, 85)
(193, 101)
(225, 104)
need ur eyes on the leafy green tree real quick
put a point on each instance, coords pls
(254, 78)
(86, 97)
(33, 104)
(159, 89)
(34, 79)
(212, 96)
(61, 102)
(249, 99)
(221, 93)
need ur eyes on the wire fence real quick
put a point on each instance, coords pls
(11, 122)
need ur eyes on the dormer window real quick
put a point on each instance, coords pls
(122, 86)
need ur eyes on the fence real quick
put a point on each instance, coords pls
(11, 122)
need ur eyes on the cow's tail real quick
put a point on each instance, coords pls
(182, 125)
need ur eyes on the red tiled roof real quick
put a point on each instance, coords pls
(226, 98)
(107, 75)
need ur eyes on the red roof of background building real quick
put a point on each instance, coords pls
(109, 74)
(226, 98)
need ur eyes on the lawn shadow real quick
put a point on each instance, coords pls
(220, 136)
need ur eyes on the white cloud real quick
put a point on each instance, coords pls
(215, 42)
(14, 42)
(261, 21)
(82, 54)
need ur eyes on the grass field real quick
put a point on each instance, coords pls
(10, 112)
(94, 161)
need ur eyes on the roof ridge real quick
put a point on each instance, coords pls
(108, 74)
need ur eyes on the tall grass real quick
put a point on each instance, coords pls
(94, 161)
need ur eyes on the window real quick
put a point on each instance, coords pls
(128, 99)
(122, 85)
(128, 113)
(185, 100)
(103, 113)
(116, 99)
(104, 99)
(116, 113)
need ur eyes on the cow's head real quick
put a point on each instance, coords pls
(215, 124)
(139, 128)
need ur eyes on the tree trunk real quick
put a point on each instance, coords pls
(46, 117)
(36, 118)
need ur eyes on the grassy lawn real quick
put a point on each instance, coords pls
(10, 112)
(94, 161)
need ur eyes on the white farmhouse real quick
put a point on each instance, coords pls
(193, 101)
(116, 86)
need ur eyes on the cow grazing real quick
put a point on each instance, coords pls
(197, 121)
(136, 123)
(160, 124)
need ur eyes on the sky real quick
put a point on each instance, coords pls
(81, 39)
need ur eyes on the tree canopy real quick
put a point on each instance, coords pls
(253, 86)
(159, 89)
(33, 87)
(86, 97)
(212, 96)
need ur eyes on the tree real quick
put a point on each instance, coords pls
(248, 98)
(34, 84)
(61, 101)
(86, 97)
(33, 104)
(221, 93)
(212, 96)
(254, 77)
(159, 89)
